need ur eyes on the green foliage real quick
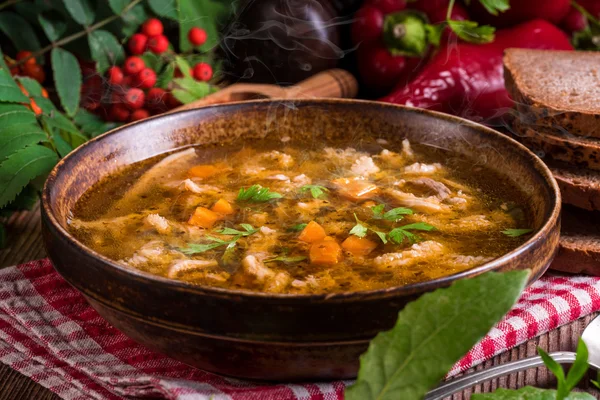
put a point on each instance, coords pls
(297, 228)
(91, 124)
(285, 259)
(9, 91)
(495, 6)
(470, 31)
(205, 14)
(164, 8)
(194, 248)
(432, 333)
(67, 79)
(316, 191)
(256, 194)
(53, 24)
(82, 11)
(106, 50)
(117, 6)
(19, 31)
(516, 232)
(17, 137)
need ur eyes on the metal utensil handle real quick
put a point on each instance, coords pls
(456, 385)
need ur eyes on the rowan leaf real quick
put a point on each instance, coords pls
(67, 79)
(82, 11)
(9, 91)
(164, 8)
(59, 121)
(13, 114)
(117, 6)
(16, 137)
(53, 24)
(91, 124)
(19, 31)
(31, 85)
(62, 147)
(106, 50)
(205, 14)
(21, 167)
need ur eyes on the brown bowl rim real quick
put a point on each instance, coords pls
(393, 291)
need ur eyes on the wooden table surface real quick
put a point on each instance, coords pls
(25, 244)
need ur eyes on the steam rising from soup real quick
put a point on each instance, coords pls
(300, 218)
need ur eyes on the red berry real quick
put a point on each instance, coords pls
(129, 81)
(158, 44)
(137, 43)
(388, 6)
(139, 114)
(115, 75)
(118, 112)
(367, 25)
(197, 36)
(152, 27)
(202, 71)
(34, 71)
(134, 98)
(155, 98)
(133, 65)
(146, 78)
(24, 54)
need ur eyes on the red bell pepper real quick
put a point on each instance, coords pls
(467, 79)
(391, 42)
(521, 11)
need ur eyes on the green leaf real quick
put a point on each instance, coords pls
(183, 96)
(165, 77)
(67, 79)
(432, 333)
(3, 65)
(434, 33)
(470, 31)
(358, 230)
(16, 137)
(183, 66)
(378, 210)
(495, 6)
(516, 232)
(31, 85)
(382, 236)
(9, 91)
(153, 61)
(61, 144)
(82, 11)
(396, 214)
(194, 248)
(91, 124)
(297, 228)
(528, 393)
(132, 19)
(53, 25)
(205, 14)
(286, 259)
(59, 121)
(25, 200)
(316, 191)
(164, 8)
(257, 194)
(13, 114)
(106, 50)
(249, 230)
(2, 236)
(20, 33)
(558, 371)
(117, 6)
(21, 167)
(579, 367)
(419, 226)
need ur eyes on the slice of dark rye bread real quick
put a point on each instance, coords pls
(556, 88)
(579, 250)
(579, 187)
(579, 151)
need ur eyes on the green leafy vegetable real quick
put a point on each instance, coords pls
(248, 230)
(359, 229)
(194, 248)
(396, 214)
(315, 190)
(470, 31)
(431, 335)
(256, 194)
(378, 210)
(297, 228)
(67, 79)
(286, 259)
(528, 393)
(516, 232)
(397, 235)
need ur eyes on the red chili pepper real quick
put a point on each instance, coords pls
(392, 41)
(521, 11)
(467, 79)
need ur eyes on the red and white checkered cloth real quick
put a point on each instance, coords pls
(49, 333)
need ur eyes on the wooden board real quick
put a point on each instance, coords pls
(25, 244)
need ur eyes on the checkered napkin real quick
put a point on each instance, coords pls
(49, 333)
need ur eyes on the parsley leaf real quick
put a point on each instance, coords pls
(396, 214)
(359, 230)
(378, 210)
(194, 248)
(248, 230)
(493, 6)
(470, 31)
(315, 190)
(257, 194)
(397, 235)
(516, 232)
(297, 228)
(286, 259)
(381, 235)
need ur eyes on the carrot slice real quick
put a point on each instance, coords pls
(222, 206)
(203, 171)
(313, 232)
(204, 218)
(355, 188)
(358, 246)
(325, 252)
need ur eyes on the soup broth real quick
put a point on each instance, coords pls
(301, 218)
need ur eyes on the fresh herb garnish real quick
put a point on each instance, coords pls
(195, 248)
(395, 214)
(397, 235)
(516, 232)
(493, 6)
(315, 190)
(286, 259)
(432, 333)
(472, 32)
(257, 194)
(359, 229)
(297, 228)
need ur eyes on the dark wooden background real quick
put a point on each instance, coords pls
(25, 244)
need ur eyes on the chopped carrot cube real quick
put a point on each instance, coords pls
(313, 232)
(355, 188)
(325, 252)
(222, 206)
(358, 246)
(203, 171)
(203, 217)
